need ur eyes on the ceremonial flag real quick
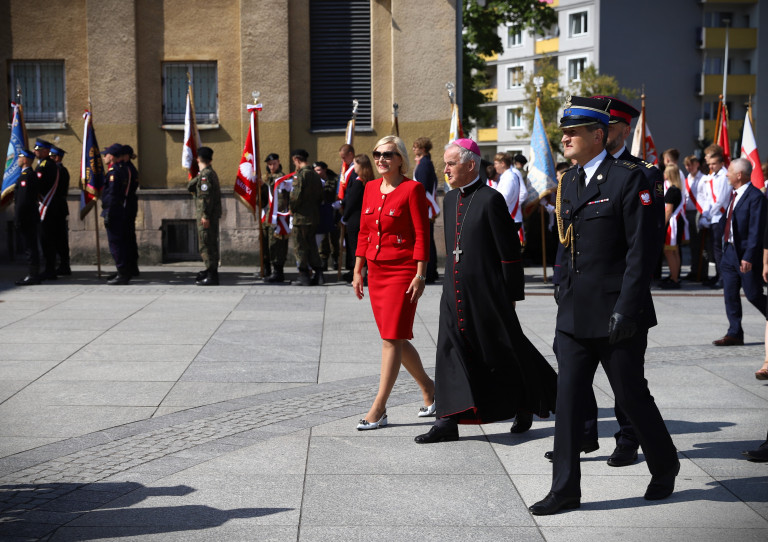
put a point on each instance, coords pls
(642, 144)
(281, 220)
(91, 168)
(722, 136)
(456, 131)
(749, 151)
(541, 169)
(17, 142)
(346, 170)
(247, 181)
(191, 137)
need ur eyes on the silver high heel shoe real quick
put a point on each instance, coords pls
(365, 425)
(427, 411)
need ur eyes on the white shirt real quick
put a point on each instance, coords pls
(513, 189)
(697, 189)
(720, 192)
(591, 166)
(739, 192)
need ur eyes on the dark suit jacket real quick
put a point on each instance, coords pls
(425, 174)
(615, 250)
(748, 226)
(353, 203)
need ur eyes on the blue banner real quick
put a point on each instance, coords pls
(91, 169)
(12, 169)
(541, 171)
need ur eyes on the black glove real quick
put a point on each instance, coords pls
(620, 327)
(557, 294)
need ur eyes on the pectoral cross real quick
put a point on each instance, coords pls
(457, 252)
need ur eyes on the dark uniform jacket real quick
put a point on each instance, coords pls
(113, 194)
(614, 248)
(26, 197)
(205, 187)
(47, 173)
(62, 190)
(132, 200)
(306, 197)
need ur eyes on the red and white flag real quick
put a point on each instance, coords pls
(639, 140)
(281, 220)
(722, 137)
(455, 131)
(191, 137)
(247, 181)
(749, 151)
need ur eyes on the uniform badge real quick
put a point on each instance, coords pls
(645, 197)
(23, 183)
(203, 187)
(659, 189)
(600, 176)
(567, 104)
(39, 174)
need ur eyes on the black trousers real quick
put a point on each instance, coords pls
(49, 236)
(432, 263)
(62, 242)
(117, 233)
(623, 364)
(715, 245)
(29, 233)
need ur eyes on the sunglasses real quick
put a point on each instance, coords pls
(386, 155)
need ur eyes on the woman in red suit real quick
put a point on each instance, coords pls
(394, 243)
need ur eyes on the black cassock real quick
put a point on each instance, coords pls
(487, 370)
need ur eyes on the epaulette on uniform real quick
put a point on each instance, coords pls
(626, 164)
(646, 164)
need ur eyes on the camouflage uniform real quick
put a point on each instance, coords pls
(205, 187)
(278, 244)
(306, 197)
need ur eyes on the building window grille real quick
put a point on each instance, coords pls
(205, 87)
(340, 63)
(42, 89)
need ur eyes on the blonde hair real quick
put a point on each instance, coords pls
(401, 150)
(672, 174)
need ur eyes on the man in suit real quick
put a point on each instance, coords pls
(607, 222)
(741, 265)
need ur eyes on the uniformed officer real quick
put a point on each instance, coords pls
(131, 207)
(274, 245)
(607, 221)
(328, 229)
(306, 197)
(60, 198)
(113, 205)
(621, 115)
(50, 210)
(26, 195)
(205, 187)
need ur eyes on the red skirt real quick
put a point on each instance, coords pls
(392, 307)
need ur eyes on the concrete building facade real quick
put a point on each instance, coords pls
(125, 59)
(674, 50)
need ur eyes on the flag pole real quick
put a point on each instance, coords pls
(257, 171)
(717, 122)
(350, 137)
(96, 215)
(538, 82)
(642, 109)
(394, 112)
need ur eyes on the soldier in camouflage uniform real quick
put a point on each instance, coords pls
(328, 229)
(205, 187)
(276, 250)
(306, 197)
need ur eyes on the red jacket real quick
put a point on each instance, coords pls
(394, 226)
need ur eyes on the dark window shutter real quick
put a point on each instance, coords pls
(340, 62)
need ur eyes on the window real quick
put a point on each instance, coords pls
(515, 77)
(205, 90)
(577, 23)
(575, 68)
(514, 36)
(514, 118)
(42, 89)
(340, 62)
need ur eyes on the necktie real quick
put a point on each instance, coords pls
(727, 233)
(582, 182)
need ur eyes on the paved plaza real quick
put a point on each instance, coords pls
(165, 411)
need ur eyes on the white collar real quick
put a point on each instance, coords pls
(470, 184)
(621, 151)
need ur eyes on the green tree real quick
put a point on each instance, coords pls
(481, 20)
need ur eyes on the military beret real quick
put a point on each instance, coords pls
(580, 111)
(300, 153)
(621, 111)
(57, 151)
(206, 153)
(114, 149)
(42, 144)
(26, 152)
(272, 156)
(520, 159)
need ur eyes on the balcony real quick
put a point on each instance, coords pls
(738, 38)
(491, 94)
(489, 58)
(742, 85)
(543, 47)
(487, 134)
(707, 129)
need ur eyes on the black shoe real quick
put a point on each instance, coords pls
(212, 279)
(758, 456)
(522, 423)
(135, 271)
(201, 275)
(48, 275)
(111, 276)
(586, 448)
(553, 503)
(317, 279)
(670, 285)
(438, 434)
(276, 276)
(64, 270)
(302, 280)
(119, 280)
(29, 280)
(718, 285)
(622, 456)
(662, 485)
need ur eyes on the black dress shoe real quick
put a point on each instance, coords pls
(210, 279)
(29, 280)
(438, 434)
(758, 456)
(553, 503)
(48, 275)
(622, 456)
(662, 485)
(729, 340)
(522, 423)
(64, 270)
(119, 280)
(586, 448)
(201, 275)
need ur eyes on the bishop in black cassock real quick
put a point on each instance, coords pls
(487, 370)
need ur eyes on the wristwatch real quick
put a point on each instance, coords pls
(421, 278)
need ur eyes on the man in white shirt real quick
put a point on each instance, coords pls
(719, 195)
(696, 201)
(511, 186)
